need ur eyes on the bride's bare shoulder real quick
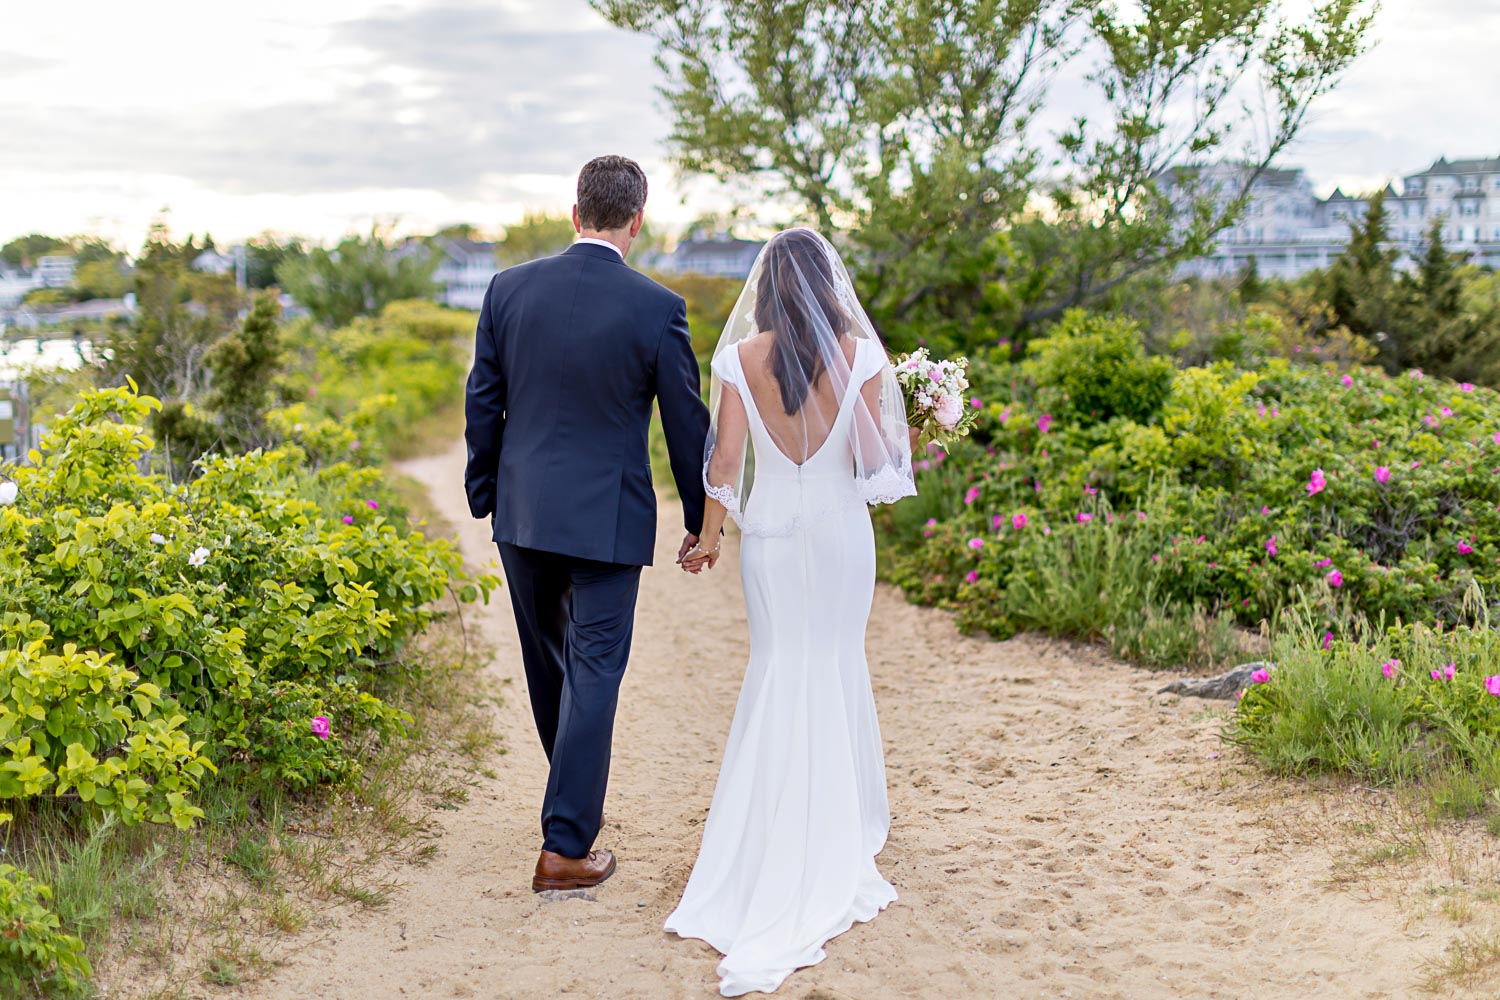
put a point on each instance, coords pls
(758, 347)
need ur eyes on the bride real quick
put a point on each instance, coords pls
(808, 428)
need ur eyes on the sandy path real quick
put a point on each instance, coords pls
(1058, 832)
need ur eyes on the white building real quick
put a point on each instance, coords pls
(14, 285)
(1287, 230)
(56, 271)
(213, 262)
(719, 254)
(464, 270)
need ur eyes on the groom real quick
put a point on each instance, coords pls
(569, 355)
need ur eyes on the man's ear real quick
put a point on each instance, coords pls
(577, 222)
(637, 223)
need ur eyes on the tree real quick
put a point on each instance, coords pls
(101, 279)
(243, 366)
(267, 252)
(357, 278)
(1360, 285)
(24, 250)
(1443, 332)
(909, 124)
(536, 235)
(164, 349)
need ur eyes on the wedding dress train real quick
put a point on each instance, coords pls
(800, 810)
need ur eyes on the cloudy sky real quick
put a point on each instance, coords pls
(318, 116)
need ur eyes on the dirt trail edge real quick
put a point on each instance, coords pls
(1057, 831)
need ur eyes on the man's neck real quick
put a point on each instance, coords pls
(619, 239)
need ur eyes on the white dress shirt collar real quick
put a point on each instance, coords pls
(601, 243)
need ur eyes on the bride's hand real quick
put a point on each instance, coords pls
(697, 558)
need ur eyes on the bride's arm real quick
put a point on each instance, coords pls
(870, 396)
(724, 467)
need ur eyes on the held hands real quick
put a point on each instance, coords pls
(693, 557)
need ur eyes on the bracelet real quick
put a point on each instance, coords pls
(698, 548)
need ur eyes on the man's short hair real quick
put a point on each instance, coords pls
(611, 190)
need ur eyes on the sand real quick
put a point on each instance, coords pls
(1058, 831)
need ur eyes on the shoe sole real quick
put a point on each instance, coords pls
(550, 884)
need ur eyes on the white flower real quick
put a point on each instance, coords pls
(199, 556)
(158, 539)
(8, 493)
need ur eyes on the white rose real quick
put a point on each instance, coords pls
(950, 410)
(8, 492)
(199, 556)
(158, 539)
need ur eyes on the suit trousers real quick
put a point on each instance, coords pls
(576, 618)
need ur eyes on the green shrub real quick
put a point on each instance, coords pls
(78, 724)
(1383, 704)
(1099, 366)
(265, 572)
(36, 957)
(1407, 514)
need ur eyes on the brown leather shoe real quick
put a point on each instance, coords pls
(553, 871)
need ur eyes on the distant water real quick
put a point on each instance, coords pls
(20, 357)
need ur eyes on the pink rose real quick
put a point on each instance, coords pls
(1260, 676)
(1335, 578)
(1492, 685)
(1044, 424)
(1018, 521)
(1382, 474)
(949, 411)
(972, 576)
(1316, 482)
(320, 727)
(1085, 518)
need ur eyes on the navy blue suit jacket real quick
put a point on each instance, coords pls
(569, 354)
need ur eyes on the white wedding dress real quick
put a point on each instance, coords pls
(800, 809)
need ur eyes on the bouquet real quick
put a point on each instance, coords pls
(934, 393)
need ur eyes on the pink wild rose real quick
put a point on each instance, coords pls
(1316, 482)
(1492, 685)
(1464, 548)
(348, 518)
(1335, 578)
(1382, 474)
(1348, 380)
(972, 576)
(373, 504)
(1085, 518)
(972, 495)
(1044, 423)
(1260, 676)
(976, 543)
(320, 727)
(1018, 521)
(1271, 546)
(1389, 667)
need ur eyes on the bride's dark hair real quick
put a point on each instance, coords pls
(796, 295)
